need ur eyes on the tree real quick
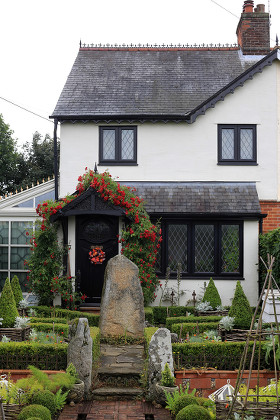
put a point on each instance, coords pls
(37, 160)
(8, 158)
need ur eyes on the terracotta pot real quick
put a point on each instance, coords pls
(77, 392)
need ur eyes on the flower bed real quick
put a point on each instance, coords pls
(15, 334)
(208, 381)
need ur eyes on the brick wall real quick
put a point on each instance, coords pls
(272, 209)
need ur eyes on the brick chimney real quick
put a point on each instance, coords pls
(253, 29)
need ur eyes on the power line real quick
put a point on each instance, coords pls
(213, 1)
(27, 110)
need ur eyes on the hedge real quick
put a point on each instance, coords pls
(218, 355)
(161, 312)
(45, 311)
(148, 333)
(95, 335)
(19, 355)
(149, 315)
(193, 327)
(192, 319)
(35, 320)
(51, 328)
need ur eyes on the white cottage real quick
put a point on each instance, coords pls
(196, 131)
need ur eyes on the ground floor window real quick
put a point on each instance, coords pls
(14, 250)
(203, 248)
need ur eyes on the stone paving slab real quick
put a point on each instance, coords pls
(121, 359)
(114, 410)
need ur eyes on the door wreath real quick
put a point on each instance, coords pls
(96, 255)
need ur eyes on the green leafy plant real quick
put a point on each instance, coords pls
(16, 290)
(212, 295)
(5, 339)
(60, 398)
(45, 398)
(204, 306)
(192, 412)
(21, 322)
(8, 309)
(240, 309)
(72, 371)
(171, 399)
(184, 401)
(35, 410)
(227, 322)
(272, 342)
(167, 378)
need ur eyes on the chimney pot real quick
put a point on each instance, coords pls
(248, 6)
(260, 8)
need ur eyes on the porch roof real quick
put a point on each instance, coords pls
(213, 198)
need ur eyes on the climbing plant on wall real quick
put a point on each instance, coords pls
(140, 240)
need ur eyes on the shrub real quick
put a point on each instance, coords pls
(16, 290)
(35, 320)
(45, 398)
(193, 412)
(45, 311)
(149, 315)
(193, 327)
(49, 328)
(160, 314)
(8, 309)
(191, 319)
(167, 379)
(180, 310)
(184, 401)
(35, 410)
(211, 295)
(95, 335)
(240, 309)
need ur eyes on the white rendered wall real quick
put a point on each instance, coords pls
(226, 287)
(188, 152)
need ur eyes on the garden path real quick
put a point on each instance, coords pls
(114, 410)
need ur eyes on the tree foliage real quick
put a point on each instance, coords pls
(8, 158)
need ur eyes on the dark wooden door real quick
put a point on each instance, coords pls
(91, 231)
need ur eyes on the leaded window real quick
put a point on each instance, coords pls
(14, 250)
(212, 248)
(237, 144)
(118, 145)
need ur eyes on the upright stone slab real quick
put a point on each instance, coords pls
(122, 304)
(160, 353)
(80, 350)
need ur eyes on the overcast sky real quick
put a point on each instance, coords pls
(39, 42)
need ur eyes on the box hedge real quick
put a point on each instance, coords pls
(35, 320)
(218, 355)
(191, 319)
(51, 328)
(95, 335)
(149, 315)
(193, 328)
(162, 312)
(45, 311)
(19, 355)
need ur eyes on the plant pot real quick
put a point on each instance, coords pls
(76, 394)
(159, 393)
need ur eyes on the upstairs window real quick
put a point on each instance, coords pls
(118, 145)
(237, 144)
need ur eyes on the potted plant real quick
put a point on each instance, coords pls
(76, 393)
(166, 385)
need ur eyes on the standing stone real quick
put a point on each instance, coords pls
(80, 350)
(160, 353)
(122, 304)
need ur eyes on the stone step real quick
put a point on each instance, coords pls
(116, 393)
(121, 360)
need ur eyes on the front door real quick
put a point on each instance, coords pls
(94, 231)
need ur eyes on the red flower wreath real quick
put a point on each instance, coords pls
(96, 256)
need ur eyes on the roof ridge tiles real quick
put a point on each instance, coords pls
(156, 48)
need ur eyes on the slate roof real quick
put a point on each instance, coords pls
(199, 197)
(124, 83)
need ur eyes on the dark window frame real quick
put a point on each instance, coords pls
(117, 160)
(217, 273)
(237, 160)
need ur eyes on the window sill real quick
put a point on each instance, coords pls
(117, 164)
(237, 163)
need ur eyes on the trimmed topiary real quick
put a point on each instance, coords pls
(184, 401)
(16, 290)
(240, 309)
(211, 295)
(45, 398)
(35, 410)
(193, 412)
(167, 378)
(8, 309)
